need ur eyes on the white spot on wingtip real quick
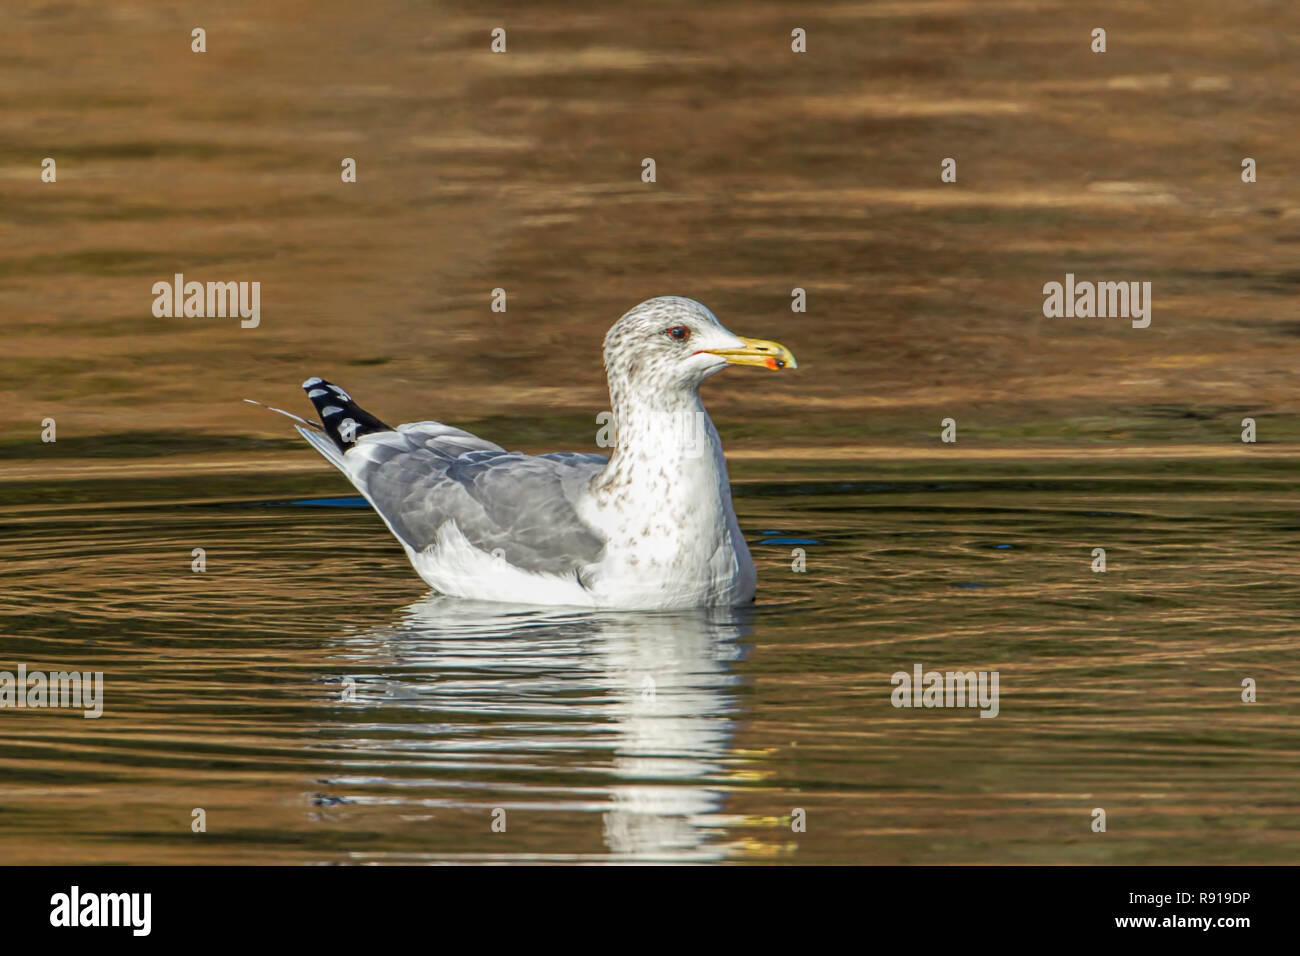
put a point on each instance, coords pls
(331, 410)
(311, 382)
(341, 394)
(317, 393)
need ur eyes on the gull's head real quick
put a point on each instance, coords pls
(672, 344)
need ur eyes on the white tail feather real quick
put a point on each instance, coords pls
(281, 411)
(326, 447)
(318, 439)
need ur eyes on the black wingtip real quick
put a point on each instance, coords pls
(343, 419)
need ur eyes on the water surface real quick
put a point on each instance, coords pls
(657, 737)
(321, 706)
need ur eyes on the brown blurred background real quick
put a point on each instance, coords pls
(522, 171)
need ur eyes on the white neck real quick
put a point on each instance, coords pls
(667, 449)
(664, 505)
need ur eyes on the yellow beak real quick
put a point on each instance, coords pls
(758, 352)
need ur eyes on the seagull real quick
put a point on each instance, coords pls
(651, 527)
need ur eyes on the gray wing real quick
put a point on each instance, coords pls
(418, 477)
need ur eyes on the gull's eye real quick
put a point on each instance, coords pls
(679, 332)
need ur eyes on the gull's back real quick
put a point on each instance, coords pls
(476, 520)
(520, 507)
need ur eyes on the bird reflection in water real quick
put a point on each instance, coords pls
(644, 700)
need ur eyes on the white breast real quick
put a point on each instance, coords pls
(672, 536)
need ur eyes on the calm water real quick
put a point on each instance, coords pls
(644, 737)
(672, 737)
